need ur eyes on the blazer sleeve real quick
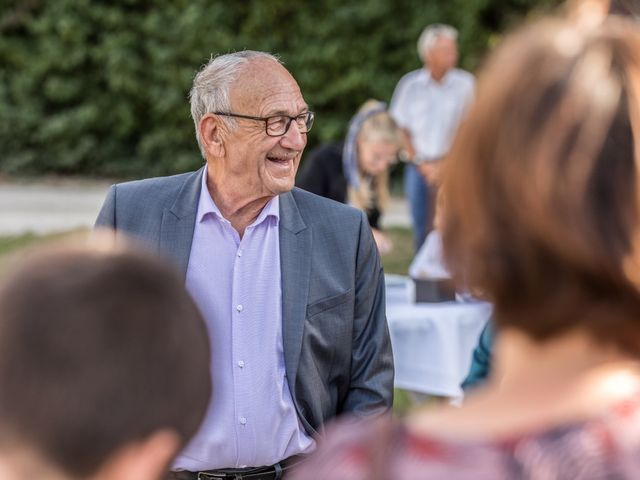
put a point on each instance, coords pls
(107, 216)
(371, 387)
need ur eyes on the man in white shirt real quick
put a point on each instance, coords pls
(429, 104)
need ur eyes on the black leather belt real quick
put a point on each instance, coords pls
(273, 472)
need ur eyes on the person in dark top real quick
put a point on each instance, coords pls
(481, 360)
(357, 171)
(323, 173)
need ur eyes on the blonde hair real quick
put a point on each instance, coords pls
(379, 127)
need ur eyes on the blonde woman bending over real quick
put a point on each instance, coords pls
(357, 171)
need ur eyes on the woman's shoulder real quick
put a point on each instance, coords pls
(384, 448)
(352, 449)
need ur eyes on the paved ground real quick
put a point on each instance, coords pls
(50, 206)
(397, 214)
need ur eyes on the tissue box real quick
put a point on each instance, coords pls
(435, 290)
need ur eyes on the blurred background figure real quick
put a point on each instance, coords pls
(357, 171)
(429, 104)
(542, 192)
(104, 366)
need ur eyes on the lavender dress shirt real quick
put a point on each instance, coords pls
(237, 285)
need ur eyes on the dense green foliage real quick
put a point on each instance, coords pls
(100, 87)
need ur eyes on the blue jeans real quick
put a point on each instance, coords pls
(421, 203)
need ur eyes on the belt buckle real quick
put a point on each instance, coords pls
(212, 476)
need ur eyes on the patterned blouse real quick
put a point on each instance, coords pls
(603, 448)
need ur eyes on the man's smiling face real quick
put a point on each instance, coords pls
(262, 165)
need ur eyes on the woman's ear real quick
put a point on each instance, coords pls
(212, 131)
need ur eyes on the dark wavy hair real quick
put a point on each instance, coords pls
(541, 186)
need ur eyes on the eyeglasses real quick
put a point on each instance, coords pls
(278, 125)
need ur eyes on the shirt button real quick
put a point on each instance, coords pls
(241, 364)
(239, 253)
(239, 308)
(243, 421)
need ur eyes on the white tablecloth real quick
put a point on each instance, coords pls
(432, 342)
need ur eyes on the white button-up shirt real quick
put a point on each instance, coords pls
(431, 111)
(236, 283)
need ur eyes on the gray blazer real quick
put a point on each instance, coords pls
(337, 350)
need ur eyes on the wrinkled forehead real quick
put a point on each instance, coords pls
(265, 87)
(444, 42)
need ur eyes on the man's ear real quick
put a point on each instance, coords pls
(212, 131)
(148, 459)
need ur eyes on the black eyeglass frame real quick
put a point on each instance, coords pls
(308, 123)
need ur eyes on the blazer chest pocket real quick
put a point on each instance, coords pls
(329, 303)
(327, 333)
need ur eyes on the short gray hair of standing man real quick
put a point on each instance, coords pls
(430, 35)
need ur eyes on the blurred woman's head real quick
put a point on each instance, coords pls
(371, 147)
(379, 139)
(541, 185)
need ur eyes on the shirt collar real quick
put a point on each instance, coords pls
(426, 77)
(206, 205)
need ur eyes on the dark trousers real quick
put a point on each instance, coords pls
(421, 198)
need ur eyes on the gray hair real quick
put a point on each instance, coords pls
(210, 90)
(430, 35)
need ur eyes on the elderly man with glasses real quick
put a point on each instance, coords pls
(289, 283)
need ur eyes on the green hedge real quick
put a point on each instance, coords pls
(100, 87)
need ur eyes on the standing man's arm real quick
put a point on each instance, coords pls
(408, 144)
(398, 109)
(371, 385)
(397, 112)
(107, 216)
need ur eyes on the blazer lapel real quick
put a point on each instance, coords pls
(178, 222)
(295, 265)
